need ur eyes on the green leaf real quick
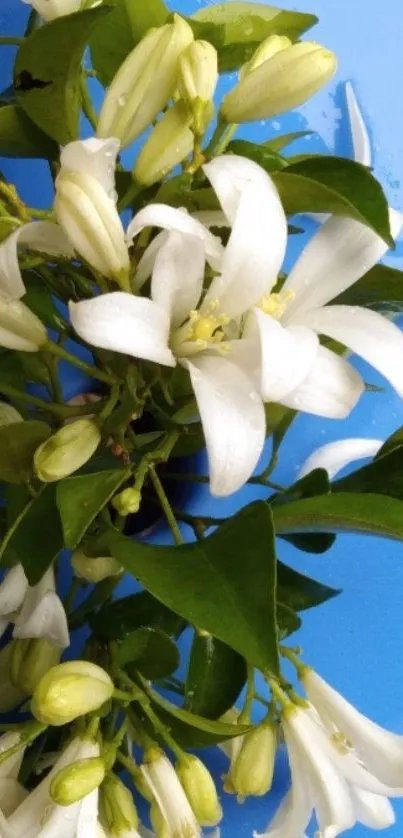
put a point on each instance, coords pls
(246, 25)
(121, 617)
(269, 160)
(215, 677)
(288, 621)
(299, 592)
(394, 441)
(19, 136)
(38, 538)
(381, 288)
(225, 585)
(278, 143)
(81, 498)
(38, 299)
(372, 514)
(382, 476)
(118, 33)
(11, 370)
(148, 651)
(18, 443)
(48, 70)
(338, 186)
(313, 484)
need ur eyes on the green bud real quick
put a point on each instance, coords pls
(117, 806)
(252, 770)
(10, 695)
(94, 570)
(168, 144)
(141, 784)
(71, 690)
(9, 415)
(128, 501)
(75, 781)
(144, 83)
(271, 46)
(158, 822)
(67, 450)
(31, 660)
(198, 75)
(19, 327)
(200, 790)
(283, 82)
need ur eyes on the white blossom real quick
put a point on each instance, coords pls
(41, 236)
(37, 611)
(170, 796)
(337, 455)
(51, 9)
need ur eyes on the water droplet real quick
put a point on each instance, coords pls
(121, 101)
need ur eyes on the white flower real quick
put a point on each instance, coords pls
(337, 455)
(37, 235)
(359, 133)
(51, 9)
(12, 792)
(177, 326)
(35, 611)
(39, 817)
(170, 796)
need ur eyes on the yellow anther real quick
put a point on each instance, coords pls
(207, 327)
(340, 741)
(276, 304)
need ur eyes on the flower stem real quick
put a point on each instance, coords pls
(166, 506)
(90, 369)
(279, 694)
(86, 103)
(142, 698)
(129, 196)
(292, 656)
(14, 526)
(10, 194)
(221, 138)
(11, 41)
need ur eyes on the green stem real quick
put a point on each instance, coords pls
(221, 138)
(110, 403)
(279, 694)
(87, 105)
(90, 369)
(11, 41)
(11, 195)
(244, 718)
(166, 506)
(51, 364)
(142, 698)
(292, 656)
(129, 196)
(63, 411)
(14, 526)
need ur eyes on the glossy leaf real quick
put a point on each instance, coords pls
(48, 70)
(288, 621)
(336, 185)
(394, 441)
(215, 677)
(148, 651)
(225, 585)
(383, 475)
(38, 538)
(20, 137)
(81, 498)
(18, 444)
(313, 484)
(268, 159)
(381, 288)
(300, 592)
(371, 514)
(278, 143)
(117, 619)
(38, 299)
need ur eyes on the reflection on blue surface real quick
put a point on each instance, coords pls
(356, 640)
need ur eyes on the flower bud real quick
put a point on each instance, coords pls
(71, 690)
(200, 790)
(128, 501)
(19, 327)
(10, 695)
(51, 9)
(168, 144)
(271, 46)
(67, 450)
(145, 82)
(9, 415)
(159, 824)
(281, 83)
(198, 75)
(252, 771)
(75, 781)
(94, 570)
(117, 807)
(31, 660)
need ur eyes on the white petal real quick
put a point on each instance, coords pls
(48, 620)
(294, 813)
(12, 590)
(146, 264)
(365, 332)
(341, 252)
(170, 796)
(337, 455)
(12, 794)
(178, 274)
(61, 822)
(9, 769)
(359, 133)
(380, 749)
(93, 157)
(256, 247)
(124, 323)
(87, 826)
(332, 388)
(38, 235)
(233, 421)
(287, 356)
(211, 218)
(170, 218)
(372, 810)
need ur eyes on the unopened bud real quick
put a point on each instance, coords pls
(252, 770)
(19, 327)
(200, 790)
(145, 82)
(94, 570)
(31, 660)
(117, 807)
(271, 46)
(159, 824)
(71, 690)
(198, 75)
(10, 695)
(128, 501)
(283, 82)
(75, 781)
(168, 144)
(9, 415)
(67, 450)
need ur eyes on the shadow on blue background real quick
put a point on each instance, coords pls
(355, 640)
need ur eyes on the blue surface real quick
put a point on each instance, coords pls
(356, 640)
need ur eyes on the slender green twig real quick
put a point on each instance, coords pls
(90, 369)
(63, 411)
(166, 506)
(11, 41)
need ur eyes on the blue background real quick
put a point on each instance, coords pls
(354, 641)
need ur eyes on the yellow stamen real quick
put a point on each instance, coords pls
(276, 304)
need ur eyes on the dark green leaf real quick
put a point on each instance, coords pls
(18, 443)
(393, 441)
(315, 483)
(383, 476)
(299, 592)
(117, 619)
(176, 190)
(265, 157)
(338, 186)
(224, 585)
(148, 651)
(48, 69)
(38, 538)
(38, 299)
(288, 621)
(215, 677)
(381, 288)
(278, 143)
(81, 498)
(11, 370)
(100, 594)
(367, 513)
(313, 542)
(20, 137)
(144, 16)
